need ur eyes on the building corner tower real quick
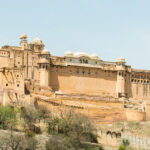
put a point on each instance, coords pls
(121, 78)
(45, 68)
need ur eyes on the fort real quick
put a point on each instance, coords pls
(29, 70)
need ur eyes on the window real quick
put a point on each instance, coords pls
(17, 85)
(77, 71)
(70, 60)
(86, 61)
(83, 72)
(6, 84)
(18, 62)
(17, 75)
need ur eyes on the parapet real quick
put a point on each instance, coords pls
(81, 54)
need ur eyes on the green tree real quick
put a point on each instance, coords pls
(75, 126)
(8, 119)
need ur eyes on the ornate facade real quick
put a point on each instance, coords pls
(29, 67)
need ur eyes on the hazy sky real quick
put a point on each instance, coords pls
(109, 28)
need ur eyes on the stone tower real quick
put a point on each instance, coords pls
(23, 42)
(121, 75)
(45, 68)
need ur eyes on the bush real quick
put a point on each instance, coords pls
(17, 142)
(59, 143)
(125, 145)
(76, 127)
(29, 133)
(121, 147)
(7, 117)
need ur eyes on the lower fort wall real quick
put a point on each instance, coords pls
(98, 111)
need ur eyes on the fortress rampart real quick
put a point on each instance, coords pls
(31, 68)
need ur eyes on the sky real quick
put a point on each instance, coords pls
(108, 28)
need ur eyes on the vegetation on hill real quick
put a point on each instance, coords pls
(69, 130)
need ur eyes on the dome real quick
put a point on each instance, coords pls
(44, 61)
(81, 54)
(94, 56)
(45, 51)
(121, 59)
(68, 53)
(37, 41)
(24, 36)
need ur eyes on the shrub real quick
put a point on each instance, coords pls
(125, 144)
(73, 125)
(7, 117)
(29, 133)
(121, 147)
(59, 143)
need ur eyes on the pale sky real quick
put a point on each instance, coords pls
(109, 28)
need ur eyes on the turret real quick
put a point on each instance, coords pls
(45, 68)
(121, 76)
(37, 45)
(23, 42)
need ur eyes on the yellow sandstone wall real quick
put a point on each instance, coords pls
(67, 80)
